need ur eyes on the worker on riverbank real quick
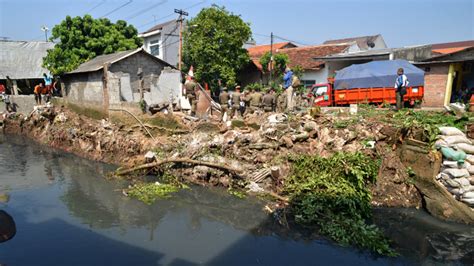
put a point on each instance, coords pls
(191, 87)
(235, 101)
(401, 84)
(224, 98)
(37, 91)
(269, 101)
(255, 100)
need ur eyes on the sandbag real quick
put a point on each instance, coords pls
(450, 183)
(453, 155)
(467, 148)
(456, 191)
(450, 131)
(454, 164)
(440, 143)
(451, 140)
(470, 158)
(457, 173)
(470, 202)
(468, 195)
(471, 180)
(470, 169)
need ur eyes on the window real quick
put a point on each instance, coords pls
(318, 91)
(308, 83)
(155, 47)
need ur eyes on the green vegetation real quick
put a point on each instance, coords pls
(150, 192)
(333, 194)
(280, 62)
(83, 38)
(166, 121)
(256, 86)
(89, 112)
(213, 45)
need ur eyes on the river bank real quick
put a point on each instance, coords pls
(256, 154)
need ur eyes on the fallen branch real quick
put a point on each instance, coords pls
(136, 118)
(178, 160)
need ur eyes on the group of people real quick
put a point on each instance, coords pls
(44, 89)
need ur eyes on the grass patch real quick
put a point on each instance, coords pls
(150, 192)
(165, 121)
(333, 194)
(89, 112)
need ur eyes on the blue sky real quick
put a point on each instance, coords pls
(401, 22)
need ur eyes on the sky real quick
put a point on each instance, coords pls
(305, 22)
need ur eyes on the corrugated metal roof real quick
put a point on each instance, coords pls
(362, 41)
(98, 62)
(159, 26)
(22, 59)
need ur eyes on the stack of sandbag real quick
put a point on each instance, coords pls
(457, 171)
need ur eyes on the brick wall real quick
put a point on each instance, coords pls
(435, 85)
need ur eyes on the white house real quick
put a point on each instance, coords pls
(162, 41)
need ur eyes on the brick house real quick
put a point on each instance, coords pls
(447, 72)
(113, 80)
(162, 41)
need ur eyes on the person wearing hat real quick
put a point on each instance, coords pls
(191, 87)
(401, 84)
(235, 101)
(224, 98)
(269, 101)
(255, 100)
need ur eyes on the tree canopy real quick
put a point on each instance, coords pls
(280, 62)
(83, 38)
(213, 45)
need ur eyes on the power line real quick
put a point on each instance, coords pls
(281, 38)
(96, 6)
(145, 10)
(172, 14)
(129, 2)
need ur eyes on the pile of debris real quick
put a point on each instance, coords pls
(457, 173)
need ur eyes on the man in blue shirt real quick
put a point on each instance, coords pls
(288, 79)
(401, 84)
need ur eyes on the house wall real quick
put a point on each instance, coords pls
(131, 64)
(84, 89)
(319, 76)
(170, 43)
(435, 85)
(379, 43)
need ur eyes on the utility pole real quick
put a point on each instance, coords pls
(271, 56)
(181, 13)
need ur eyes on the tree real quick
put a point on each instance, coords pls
(213, 45)
(280, 62)
(83, 38)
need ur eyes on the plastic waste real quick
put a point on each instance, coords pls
(453, 155)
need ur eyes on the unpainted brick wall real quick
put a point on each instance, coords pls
(435, 85)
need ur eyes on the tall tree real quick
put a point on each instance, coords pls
(83, 38)
(213, 45)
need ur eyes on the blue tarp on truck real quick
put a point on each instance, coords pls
(377, 74)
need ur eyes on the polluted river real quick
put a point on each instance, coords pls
(67, 213)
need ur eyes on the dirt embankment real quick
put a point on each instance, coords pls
(258, 145)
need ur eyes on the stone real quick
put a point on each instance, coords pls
(286, 140)
(254, 188)
(310, 126)
(150, 156)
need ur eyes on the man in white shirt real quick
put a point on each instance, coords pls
(401, 84)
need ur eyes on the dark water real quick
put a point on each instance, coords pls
(67, 214)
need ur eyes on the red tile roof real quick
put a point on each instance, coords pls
(303, 56)
(451, 47)
(255, 52)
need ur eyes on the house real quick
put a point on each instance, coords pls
(162, 41)
(363, 43)
(21, 62)
(447, 73)
(120, 80)
(451, 47)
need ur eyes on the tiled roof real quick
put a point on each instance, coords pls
(255, 52)
(361, 41)
(451, 47)
(303, 56)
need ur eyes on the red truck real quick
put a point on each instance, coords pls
(371, 83)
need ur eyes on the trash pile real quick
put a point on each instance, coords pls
(457, 172)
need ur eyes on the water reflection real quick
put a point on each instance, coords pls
(67, 199)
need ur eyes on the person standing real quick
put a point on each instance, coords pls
(235, 101)
(191, 87)
(224, 101)
(37, 91)
(288, 79)
(48, 82)
(269, 101)
(255, 101)
(401, 84)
